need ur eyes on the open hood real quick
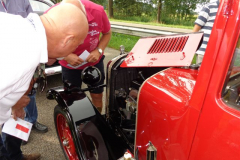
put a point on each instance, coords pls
(164, 51)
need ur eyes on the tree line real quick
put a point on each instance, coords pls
(161, 11)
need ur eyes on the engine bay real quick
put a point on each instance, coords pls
(125, 84)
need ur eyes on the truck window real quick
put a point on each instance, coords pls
(231, 91)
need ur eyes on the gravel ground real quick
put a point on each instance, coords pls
(47, 143)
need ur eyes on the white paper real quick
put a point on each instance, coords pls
(83, 56)
(20, 128)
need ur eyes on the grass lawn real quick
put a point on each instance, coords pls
(128, 41)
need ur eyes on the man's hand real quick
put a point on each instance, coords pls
(73, 59)
(18, 113)
(17, 109)
(94, 56)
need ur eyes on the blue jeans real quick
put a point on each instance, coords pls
(3, 151)
(10, 147)
(31, 109)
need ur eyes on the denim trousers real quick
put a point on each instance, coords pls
(3, 151)
(31, 109)
(10, 147)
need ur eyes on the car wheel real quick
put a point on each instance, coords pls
(65, 132)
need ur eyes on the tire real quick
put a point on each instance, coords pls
(66, 133)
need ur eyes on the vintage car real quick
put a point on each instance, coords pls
(158, 104)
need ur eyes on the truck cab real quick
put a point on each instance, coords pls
(195, 114)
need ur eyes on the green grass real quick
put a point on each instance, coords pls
(153, 23)
(194, 59)
(128, 41)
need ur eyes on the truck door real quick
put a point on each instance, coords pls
(218, 131)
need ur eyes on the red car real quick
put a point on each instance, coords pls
(158, 105)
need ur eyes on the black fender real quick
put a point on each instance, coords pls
(71, 107)
(93, 137)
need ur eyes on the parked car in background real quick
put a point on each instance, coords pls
(159, 105)
(39, 7)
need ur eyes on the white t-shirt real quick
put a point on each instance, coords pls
(23, 46)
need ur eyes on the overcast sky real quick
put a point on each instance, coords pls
(199, 7)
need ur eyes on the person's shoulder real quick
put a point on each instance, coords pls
(92, 6)
(212, 4)
(5, 17)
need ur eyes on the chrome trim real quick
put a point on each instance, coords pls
(53, 70)
(151, 152)
(109, 68)
(127, 156)
(122, 50)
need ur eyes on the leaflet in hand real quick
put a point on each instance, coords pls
(20, 128)
(83, 56)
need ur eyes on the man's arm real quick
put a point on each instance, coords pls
(105, 40)
(94, 55)
(74, 60)
(51, 61)
(196, 28)
(17, 109)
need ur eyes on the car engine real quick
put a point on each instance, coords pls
(122, 108)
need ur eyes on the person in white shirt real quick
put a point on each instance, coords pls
(26, 42)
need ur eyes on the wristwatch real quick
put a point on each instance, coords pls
(100, 50)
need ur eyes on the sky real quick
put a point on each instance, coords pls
(199, 6)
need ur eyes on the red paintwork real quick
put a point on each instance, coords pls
(180, 110)
(163, 113)
(174, 50)
(218, 131)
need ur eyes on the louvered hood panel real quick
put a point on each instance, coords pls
(164, 51)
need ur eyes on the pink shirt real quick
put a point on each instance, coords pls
(98, 23)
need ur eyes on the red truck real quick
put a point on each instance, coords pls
(158, 104)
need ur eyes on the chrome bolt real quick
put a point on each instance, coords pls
(66, 143)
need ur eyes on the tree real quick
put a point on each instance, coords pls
(101, 2)
(110, 8)
(164, 11)
(181, 9)
(159, 7)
